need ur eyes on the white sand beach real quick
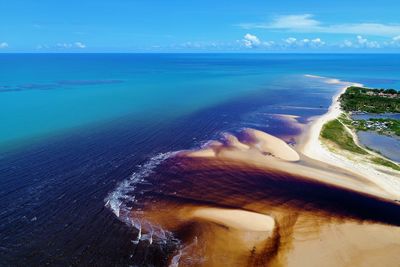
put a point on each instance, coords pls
(311, 146)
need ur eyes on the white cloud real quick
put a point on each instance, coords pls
(395, 42)
(3, 45)
(197, 45)
(347, 43)
(293, 43)
(64, 45)
(293, 22)
(307, 23)
(192, 45)
(251, 41)
(268, 43)
(80, 45)
(317, 42)
(360, 42)
(42, 46)
(364, 28)
(365, 43)
(290, 40)
(312, 43)
(201, 45)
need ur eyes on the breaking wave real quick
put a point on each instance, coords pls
(121, 200)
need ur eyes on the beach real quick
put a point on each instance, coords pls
(269, 205)
(312, 147)
(273, 204)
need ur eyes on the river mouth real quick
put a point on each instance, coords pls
(208, 205)
(54, 187)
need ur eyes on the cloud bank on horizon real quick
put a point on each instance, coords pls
(176, 25)
(306, 23)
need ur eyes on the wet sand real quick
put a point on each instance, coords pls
(311, 146)
(250, 199)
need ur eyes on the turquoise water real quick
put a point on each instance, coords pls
(75, 126)
(46, 94)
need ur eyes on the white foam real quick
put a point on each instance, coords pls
(325, 79)
(125, 189)
(185, 251)
(118, 201)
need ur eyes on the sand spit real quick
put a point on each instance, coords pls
(252, 142)
(311, 146)
(298, 237)
(237, 219)
(250, 199)
(263, 150)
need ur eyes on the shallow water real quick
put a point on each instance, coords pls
(386, 145)
(367, 116)
(74, 127)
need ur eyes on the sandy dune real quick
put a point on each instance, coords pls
(310, 145)
(238, 219)
(251, 199)
(253, 142)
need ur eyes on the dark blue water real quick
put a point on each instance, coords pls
(73, 126)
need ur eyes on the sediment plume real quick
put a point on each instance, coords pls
(251, 200)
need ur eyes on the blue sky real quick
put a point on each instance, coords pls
(199, 26)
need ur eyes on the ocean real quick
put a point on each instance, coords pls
(78, 132)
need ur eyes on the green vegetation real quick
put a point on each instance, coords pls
(335, 132)
(345, 119)
(384, 162)
(382, 126)
(370, 100)
(362, 99)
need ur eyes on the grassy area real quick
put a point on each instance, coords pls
(365, 100)
(370, 100)
(335, 132)
(345, 119)
(384, 162)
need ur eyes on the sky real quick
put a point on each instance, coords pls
(199, 26)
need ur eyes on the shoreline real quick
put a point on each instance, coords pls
(269, 201)
(311, 146)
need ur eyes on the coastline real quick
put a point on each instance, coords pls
(274, 204)
(309, 144)
(312, 147)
